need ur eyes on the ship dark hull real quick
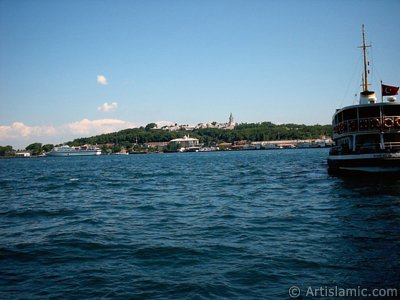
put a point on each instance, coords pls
(368, 163)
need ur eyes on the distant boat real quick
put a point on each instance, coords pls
(122, 152)
(66, 150)
(367, 135)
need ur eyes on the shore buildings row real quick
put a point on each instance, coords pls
(188, 144)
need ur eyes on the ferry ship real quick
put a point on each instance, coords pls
(66, 150)
(367, 135)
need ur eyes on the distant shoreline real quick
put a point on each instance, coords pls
(152, 152)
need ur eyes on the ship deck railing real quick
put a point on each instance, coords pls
(368, 124)
(376, 147)
(392, 145)
(366, 148)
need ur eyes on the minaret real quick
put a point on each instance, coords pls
(231, 122)
(230, 119)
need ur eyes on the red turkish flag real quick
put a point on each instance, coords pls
(388, 90)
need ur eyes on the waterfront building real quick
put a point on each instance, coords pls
(22, 154)
(185, 144)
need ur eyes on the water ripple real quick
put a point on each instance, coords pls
(232, 225)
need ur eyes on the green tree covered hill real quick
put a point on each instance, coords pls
(265, 131)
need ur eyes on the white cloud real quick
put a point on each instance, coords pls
(105, 107)
(101, 79)
(20, 135)
(99, 126)
(19, 129)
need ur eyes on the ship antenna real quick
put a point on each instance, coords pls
(365, 81)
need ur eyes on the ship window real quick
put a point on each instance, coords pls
(369, 112)
(350, 114)
(391, 110)
(340, 117)
(368, 142)
(345, 143)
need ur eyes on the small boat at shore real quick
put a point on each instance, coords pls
(367, 135)
(66, 150)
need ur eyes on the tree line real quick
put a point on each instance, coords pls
(34, 149)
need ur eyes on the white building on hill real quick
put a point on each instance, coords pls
(230, 125)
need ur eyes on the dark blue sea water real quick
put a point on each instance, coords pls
(223, 225)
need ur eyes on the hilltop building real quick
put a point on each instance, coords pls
(230, 125)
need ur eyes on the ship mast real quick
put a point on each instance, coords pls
(365, 81)
(366, 96)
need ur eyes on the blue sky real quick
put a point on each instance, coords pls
(184, 61)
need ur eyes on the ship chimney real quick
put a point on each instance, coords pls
(367, 97)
